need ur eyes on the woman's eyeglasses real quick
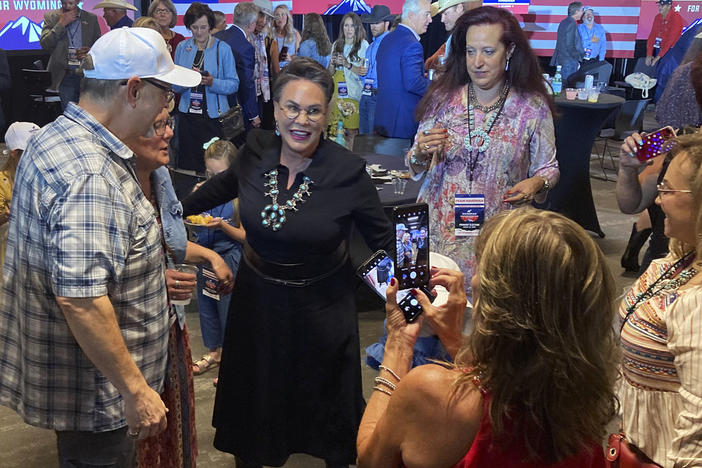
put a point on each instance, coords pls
(292, 112)
(162, 11)
(662, 188)
(160, 126)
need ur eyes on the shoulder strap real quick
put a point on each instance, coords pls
(219, 111)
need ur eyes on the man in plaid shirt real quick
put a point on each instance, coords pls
(83, 310)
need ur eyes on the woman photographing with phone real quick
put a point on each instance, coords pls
(200, 107)
(659, 322)
(532, 385)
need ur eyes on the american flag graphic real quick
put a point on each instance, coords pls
(620, 22)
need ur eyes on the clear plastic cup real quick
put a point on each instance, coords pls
(183, 268)
(593, 96)
(583, 94)
(571, 93)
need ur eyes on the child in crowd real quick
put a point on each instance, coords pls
(224, 236)
(16, 139)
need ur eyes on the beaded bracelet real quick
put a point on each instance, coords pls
(382, 390)
(415, 161)
(382, 367)
(386, 382)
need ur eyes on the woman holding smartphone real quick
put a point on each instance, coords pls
(286, 36)
(348, 53)
(201, 106)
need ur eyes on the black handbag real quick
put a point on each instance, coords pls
(232, 121)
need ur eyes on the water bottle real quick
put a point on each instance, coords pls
(557, 83)
(340, 133)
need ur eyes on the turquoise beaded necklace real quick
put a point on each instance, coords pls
(481, 136)
(273, 214)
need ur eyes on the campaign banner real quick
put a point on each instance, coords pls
(689, 10)
(21, 21)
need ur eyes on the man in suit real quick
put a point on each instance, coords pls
(245, 17)
(68, 34)
(401, 80)
(569, 46)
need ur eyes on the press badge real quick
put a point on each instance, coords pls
(211, 284)
(368, 86)
(343, 89)
(73, 57)
(195, 103)
(469, 211)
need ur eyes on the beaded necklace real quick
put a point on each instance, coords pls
(482, 135)
(679, 268)
(273, 215)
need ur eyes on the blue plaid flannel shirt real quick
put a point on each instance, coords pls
(80, 227)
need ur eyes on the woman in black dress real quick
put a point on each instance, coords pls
(290, 377)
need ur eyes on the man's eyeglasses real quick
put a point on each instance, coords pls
(160, 126)
(292, 112)
(170, 95)
(662, 188)
(162, 11)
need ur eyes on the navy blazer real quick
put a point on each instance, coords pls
(401, 83)
(244, 57)
(569, 45)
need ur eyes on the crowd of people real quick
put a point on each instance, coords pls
(97, 259)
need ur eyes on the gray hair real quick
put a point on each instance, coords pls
(245, 13)
(167, 4)
(410, 6)
(97, 89)
(573, 7)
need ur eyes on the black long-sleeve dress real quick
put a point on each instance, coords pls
(290, 378)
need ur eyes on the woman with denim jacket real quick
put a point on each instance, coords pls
(177, 445)
(200, 107)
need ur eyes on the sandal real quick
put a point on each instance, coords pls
(204, 364)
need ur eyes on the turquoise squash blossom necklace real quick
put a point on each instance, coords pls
(273, 215)
(479, 138)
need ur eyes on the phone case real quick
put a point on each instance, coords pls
(656, 143)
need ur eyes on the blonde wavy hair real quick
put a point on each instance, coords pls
(288, 31)
(543, 346)
(690, 146)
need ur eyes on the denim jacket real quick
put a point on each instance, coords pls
(172, 224)
(225, 81)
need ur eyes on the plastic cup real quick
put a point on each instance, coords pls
(593, 96)
(396, 185)
(403, 186)
(183, 268)
(583, 94)
(571, 93)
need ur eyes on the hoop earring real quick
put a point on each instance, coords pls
(277, 132)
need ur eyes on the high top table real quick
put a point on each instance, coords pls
(576, 127)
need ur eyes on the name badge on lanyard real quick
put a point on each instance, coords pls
(469, 209)
(73, 57)
(343, 89)
(195, 103)
(368, 86)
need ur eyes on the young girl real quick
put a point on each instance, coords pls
(226, 238)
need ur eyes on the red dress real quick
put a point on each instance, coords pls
(483, 453)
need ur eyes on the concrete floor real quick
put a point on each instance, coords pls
(24, 446)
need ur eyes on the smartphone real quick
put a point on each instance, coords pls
(412, 240)
(204, 73)
(283, 51)
(377, 272)
(656, 143)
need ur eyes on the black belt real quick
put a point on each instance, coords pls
(297, 274)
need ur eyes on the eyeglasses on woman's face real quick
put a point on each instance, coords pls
(663, 189)
(162, 11)
(160, 126)
(293, 111)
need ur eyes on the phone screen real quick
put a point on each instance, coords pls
(412, 244)
(656, 143)
(377, 273)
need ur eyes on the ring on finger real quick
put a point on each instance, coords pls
(133, 434)
(426, 146)
(177, 285)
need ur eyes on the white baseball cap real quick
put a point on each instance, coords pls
(126, 52)
(18, 135)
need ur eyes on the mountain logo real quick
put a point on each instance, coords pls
(21, 34)
(344, 6)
